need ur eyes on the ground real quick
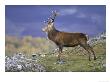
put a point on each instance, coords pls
(77, 61)
(75, 58)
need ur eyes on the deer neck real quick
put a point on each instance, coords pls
(52, 34)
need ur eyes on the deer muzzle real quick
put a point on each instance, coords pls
(44, 29)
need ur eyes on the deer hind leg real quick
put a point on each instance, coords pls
(92, 51)
(89, 49)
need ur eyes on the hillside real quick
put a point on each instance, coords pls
(75, 58)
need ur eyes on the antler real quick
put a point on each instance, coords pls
(47, 20)
(54, 14)
(52, 18)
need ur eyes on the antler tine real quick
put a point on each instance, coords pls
(44, 21)
(48, 18)
(52, 11)
(55, 11)
(52, 17)
(54, 14)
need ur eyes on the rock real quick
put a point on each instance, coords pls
(99, 38)
(19, 63)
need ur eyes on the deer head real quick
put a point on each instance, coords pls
(50, 22)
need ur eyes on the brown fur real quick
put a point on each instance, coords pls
(64, 39)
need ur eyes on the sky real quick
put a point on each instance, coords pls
(28, 20)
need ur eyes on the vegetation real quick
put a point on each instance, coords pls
(77, 62)
(75, 58)
(27, 45)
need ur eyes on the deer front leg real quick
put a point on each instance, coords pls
(60, 53)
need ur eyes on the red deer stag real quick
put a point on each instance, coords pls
(64, 39)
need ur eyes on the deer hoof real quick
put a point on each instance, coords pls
(60, 62)
(95, 58)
